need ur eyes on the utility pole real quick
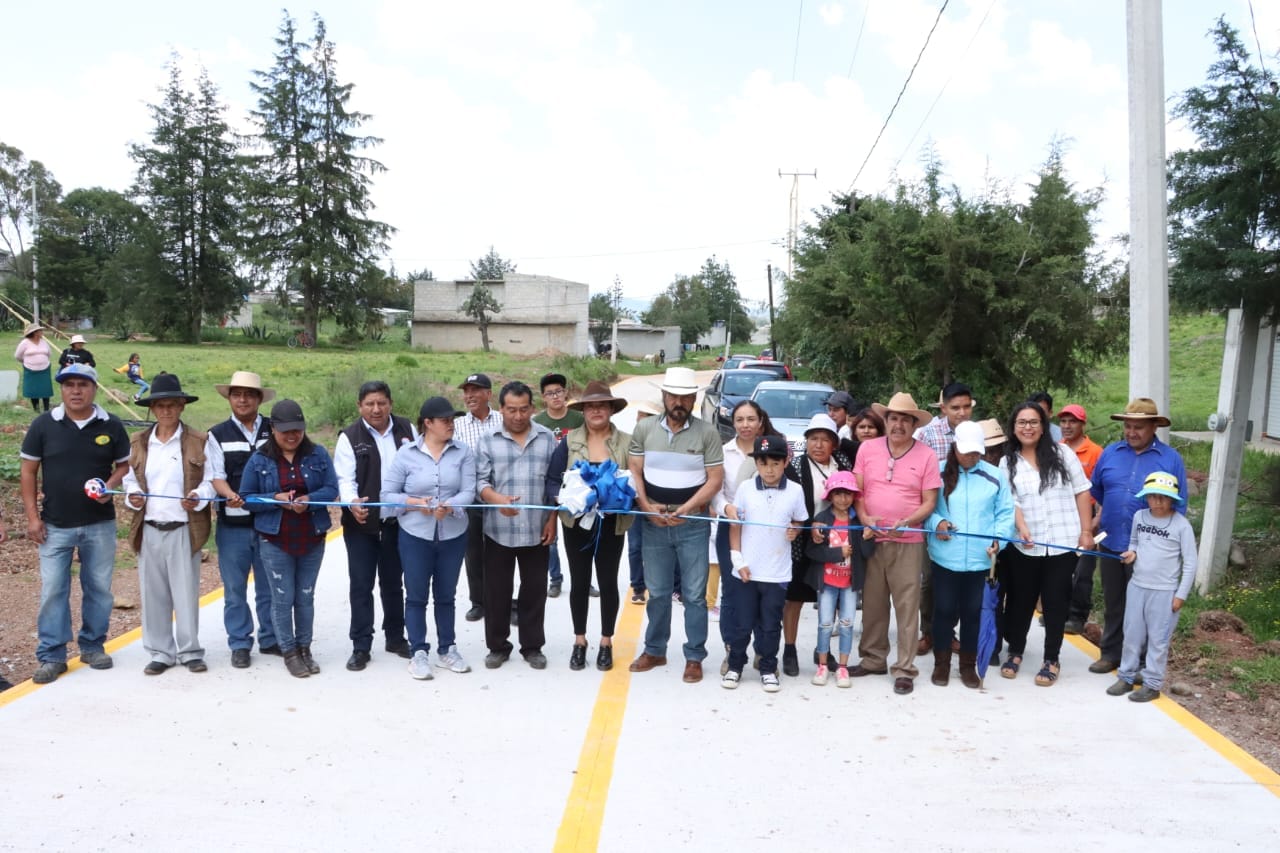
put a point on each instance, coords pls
(773, 342)
(793, 217)
(35, 231)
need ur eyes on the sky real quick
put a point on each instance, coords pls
(594, 140)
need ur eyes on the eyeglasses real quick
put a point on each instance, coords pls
(1026, 424)
(559, 393)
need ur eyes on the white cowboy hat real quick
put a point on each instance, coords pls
(245, 379)
(680, 381)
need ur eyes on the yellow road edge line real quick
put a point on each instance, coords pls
(584, 811)
(1208, 735)
(28, 687)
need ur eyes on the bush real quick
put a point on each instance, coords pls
(406, 361)
(580, 370)
(214, 335)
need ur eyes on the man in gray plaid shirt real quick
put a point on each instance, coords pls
(479, 420)
(511, 468)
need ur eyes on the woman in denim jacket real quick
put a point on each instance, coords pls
(280, 479)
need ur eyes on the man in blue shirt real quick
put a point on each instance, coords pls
(1117, 479)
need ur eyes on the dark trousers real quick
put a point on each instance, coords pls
(583, 549)
(1047, 579)
(371, 558)
(729, 585)
(758, 607)
(475, 557)
(499, 581)
(926, 597)
(635, 554)
(1082, 588)
(1115, 580)
(957, 596)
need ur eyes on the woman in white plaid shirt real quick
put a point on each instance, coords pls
(1051, 497)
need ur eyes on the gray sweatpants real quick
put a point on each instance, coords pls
(169, 579)
(1149, 620)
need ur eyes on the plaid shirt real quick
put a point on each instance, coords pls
(297, 533)
(468, 428)
(1052, 515)
(509, 469)
(939, 435)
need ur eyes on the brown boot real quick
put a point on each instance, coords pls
(295, 664)
(941, 667)
(312, 666)
(969, 670)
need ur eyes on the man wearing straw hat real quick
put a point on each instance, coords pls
(229, 447)
(1117, 478)
(677, 465)
(899, 482)
(74, 442)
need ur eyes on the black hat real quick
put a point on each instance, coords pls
(286, 415)
(477, 379)
(165, 386)
(438, 407)
(841, 400)
(769, 447)
(553, 379)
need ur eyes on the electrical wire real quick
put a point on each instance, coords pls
(1254, 21)
(901, 92)
(795, 53)
(858, 41)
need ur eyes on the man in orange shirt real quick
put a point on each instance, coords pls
(1072, 419)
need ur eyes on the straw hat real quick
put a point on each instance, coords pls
(1142, 409)
(993, 432)
(598, 392)
(245, 379)
(31, 329)
(649, 407)
(903, 403)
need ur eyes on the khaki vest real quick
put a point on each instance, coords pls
(198, 522)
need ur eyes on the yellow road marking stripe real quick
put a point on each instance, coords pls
(1211, 737)
(584, 812)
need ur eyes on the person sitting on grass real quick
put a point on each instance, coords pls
(132, 369)
(1162, 551)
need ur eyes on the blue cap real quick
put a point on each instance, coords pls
(77, 370)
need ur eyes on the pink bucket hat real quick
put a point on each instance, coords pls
(840, 480)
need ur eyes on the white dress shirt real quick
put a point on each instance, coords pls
(165, 477)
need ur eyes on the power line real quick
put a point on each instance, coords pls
(901, 92)
(795, 51)
(1254, 21)
(943, 90)
(858, 41)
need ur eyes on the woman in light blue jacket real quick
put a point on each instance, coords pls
(975, 498)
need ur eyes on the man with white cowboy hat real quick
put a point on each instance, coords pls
(1117, 479)
(228, 448)
(899, 482)
(677, 466)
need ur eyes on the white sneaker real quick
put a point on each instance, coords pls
(713, 614)
(820, 677)
(769, 681)
(420, 666)
(452, 660)
(842, 677)
(729, 681)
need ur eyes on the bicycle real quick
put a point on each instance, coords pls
(301, 338)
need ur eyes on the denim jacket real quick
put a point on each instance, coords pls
(261, 479)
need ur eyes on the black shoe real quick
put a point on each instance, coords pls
(493, 660)
(537, 660)
(359, 660)
(832, 663)
(578, 658)
(4, 684)
(475, 614)
(155, 668)
(604, 658)
(270, 650)
(196, 665)
(790, 662)
(593, 592)
(399, 647)
(240, 658)
(553, 590)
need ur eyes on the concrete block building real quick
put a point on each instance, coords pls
(538, 313)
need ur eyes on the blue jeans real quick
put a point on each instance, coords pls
(553, 560)
(431, 568)
(293, 592)
(759, 612)
(827, 601)
(143, 387)
(671, 552)
(237, 554)
(635, 554)
(96, 544)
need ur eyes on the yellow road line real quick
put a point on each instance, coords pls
(1211, 737)
(584, 812)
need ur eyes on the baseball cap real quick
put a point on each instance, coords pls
(286, 415)
(769, 447)
(970, 438)
(477, 379)
(77, 370)
(1074, 411)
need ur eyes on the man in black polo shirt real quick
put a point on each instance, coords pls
(74, 442)
(365, 449)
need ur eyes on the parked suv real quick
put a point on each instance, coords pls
(727, 389)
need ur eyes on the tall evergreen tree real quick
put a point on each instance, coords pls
(311, 196)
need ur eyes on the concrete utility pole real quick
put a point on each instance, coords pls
(35, 231)
(1148, 215)
(773, 342)
(793, 214)
(1229, 422)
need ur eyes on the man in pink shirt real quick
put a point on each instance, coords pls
(899, 482)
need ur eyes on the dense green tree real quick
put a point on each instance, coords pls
(492, 267)
(311, 194)
(1225, 192)
(480, 306)
(601, 314)
(927, 286)
(17, 177)
(190, 180)
(724, 303)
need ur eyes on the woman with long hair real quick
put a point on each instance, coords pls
(1051, 496)
(435, 478)
(280, 481)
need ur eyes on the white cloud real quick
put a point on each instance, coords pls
(832, 14)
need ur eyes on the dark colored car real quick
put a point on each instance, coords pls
(727, 389)
(777, 368)
(733, 362)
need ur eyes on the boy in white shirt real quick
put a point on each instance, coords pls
(772, 511)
